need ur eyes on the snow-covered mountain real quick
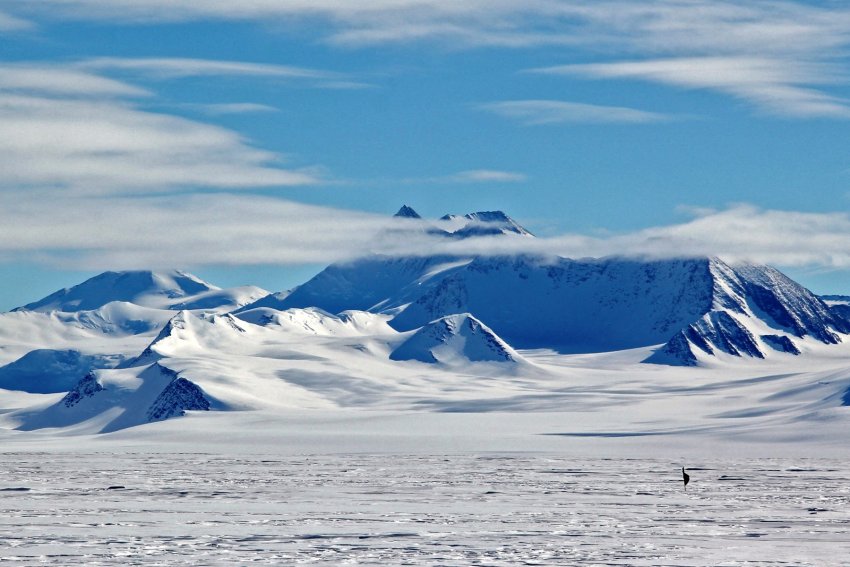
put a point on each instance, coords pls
(375, 283)
(109, 400)
(173, 290)
(407, 213)
(755, 309)
(455, 339)
(145, 288)
(589, 305)
(488, 223)
(127, 348)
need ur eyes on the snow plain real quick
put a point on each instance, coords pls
(400, 509)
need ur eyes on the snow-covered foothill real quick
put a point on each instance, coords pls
(455, 339)
(109, 400)
(187, 333)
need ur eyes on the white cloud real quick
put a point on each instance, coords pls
(777, 85)
(53, 80)
(740, 232)
(486, 176)
(9, 23)
(230, 108)
(185, 230)
(536, 112)
(218, 228)
(469, 176)
(71, 130)
(779, 55)
(176, 67)
(652, 25)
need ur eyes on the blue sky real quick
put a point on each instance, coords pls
(256, 143)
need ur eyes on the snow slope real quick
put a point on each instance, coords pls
(149, 289)
(110, 400)
(374, 283)
(570, 305)
(159, 290)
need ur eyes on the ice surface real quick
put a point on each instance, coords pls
(413, 509)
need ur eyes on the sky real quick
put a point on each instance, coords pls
(257, 141)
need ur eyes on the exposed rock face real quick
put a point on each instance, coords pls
(717, 331)
(407, 213)
(747, 297)
(780, 343)
(178, 397)
(85, 388)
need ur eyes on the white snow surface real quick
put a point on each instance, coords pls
(501, 509)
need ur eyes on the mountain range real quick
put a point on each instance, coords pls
(126, 348)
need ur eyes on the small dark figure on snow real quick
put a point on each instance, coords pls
(685, 477)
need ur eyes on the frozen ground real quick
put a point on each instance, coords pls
(419, 509)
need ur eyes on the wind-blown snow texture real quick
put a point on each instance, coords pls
(225, 509)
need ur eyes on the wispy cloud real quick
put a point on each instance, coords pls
(74, 130)
(779, 55)
(468, 176)
(536, 112)
(782, 87)
(230, 108)
(739, 233)
(656, 25)
(54, 80)
(9, 23)
(177, 67)
(485, 176)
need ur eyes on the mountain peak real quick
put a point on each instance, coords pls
(485, 223)
(141, 287)
(455, 339)
(407, 213)
(488, 216)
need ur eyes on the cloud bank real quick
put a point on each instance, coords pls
(228, 229)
